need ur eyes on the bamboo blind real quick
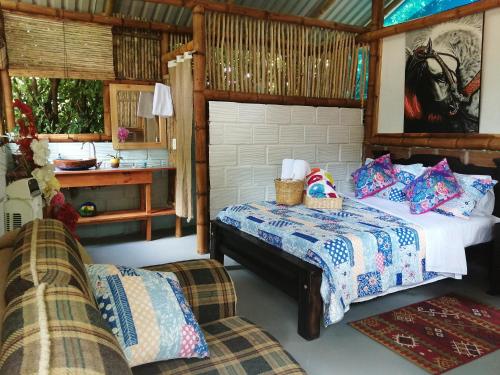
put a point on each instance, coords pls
(268, 57)
(177, 40)
(55, 48)
(137, 54)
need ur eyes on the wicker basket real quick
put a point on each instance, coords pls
(328, 203)
(289, 192)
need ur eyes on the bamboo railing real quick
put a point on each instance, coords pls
(252, 55)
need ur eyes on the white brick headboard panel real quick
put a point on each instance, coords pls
(249, 141)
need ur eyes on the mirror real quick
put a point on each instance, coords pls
(132, 123)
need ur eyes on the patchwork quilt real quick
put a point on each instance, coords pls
(362, 251)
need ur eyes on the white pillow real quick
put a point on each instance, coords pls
(486, 205)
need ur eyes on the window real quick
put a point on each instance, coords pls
(412, 9)
(62, 106)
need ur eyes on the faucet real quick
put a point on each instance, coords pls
(93, 147)
(97, 165)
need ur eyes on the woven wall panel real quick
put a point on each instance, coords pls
(137, 54)
(53, 48)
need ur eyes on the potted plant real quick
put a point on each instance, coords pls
(115, 159)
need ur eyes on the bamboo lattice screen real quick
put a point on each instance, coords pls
(54, 48)
(252, 55)
(137, 54)
(177, 40)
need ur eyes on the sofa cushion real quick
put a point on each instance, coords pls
(45, 246)
(147, 313)
(207, 287)
(237, 346)
(57, 328)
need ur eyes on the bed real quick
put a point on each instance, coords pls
(289, 247)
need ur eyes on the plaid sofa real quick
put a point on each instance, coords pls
(79, 340)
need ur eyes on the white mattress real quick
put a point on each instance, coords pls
(446, 237)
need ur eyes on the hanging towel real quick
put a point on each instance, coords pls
(287, 169)
(162, 101)
(300, 169)
(145, 105)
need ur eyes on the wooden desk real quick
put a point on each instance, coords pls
(125, 176)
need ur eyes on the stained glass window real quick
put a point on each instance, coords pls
(412, 9)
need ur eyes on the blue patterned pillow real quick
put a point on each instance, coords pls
(436, 186)
(404, 174)
(147, 313)
(374, 177)
(475, 188)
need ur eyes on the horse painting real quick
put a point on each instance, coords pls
(443, 77)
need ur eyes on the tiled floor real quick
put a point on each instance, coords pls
(340, 349)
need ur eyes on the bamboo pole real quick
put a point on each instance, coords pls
(466, 10)
(200, 126)
(371, 113)
(108, 10)
(244, 97)
(7, 100)
(189, 46)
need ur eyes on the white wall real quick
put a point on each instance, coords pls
(249, 141)
(391, 120)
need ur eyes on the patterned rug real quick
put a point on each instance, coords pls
(438, 334)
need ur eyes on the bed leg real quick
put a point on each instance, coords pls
(215, 252)
(310, 304)
(495, 262)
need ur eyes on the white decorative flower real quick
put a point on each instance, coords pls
(41, 152)
(45, 177)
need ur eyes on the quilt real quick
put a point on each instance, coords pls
(362, 251)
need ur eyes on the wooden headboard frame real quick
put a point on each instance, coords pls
(457, 166)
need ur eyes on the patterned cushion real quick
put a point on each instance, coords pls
(404, 175)
(47, 246)
(147, 312)
(434, 187)
(78, 340)
(237, 347)
(475, 188)
(374, 177)
(320, 184)
(207, 286)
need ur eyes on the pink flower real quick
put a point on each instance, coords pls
(122, 134)
(379, 177)
(441, 188)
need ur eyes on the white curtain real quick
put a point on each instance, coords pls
(181, 82)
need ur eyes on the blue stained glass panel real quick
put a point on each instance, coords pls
(412, 9)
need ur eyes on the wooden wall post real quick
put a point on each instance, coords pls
(200, 130)
(164, 48)
(371, 113)
(7, 99)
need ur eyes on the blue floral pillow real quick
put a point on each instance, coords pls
(147, 313)
(374, 177)
(404, 175)
(475, 188)
(436, 186)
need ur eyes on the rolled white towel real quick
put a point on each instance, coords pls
(287, 169)
(301, 169)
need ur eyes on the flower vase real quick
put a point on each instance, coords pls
(115, 162)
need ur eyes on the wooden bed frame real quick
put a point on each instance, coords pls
(302, 280)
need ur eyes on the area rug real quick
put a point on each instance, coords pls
(438, 334)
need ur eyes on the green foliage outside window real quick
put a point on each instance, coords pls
(62, 106)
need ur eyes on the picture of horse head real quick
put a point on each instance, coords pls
(443, 77)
